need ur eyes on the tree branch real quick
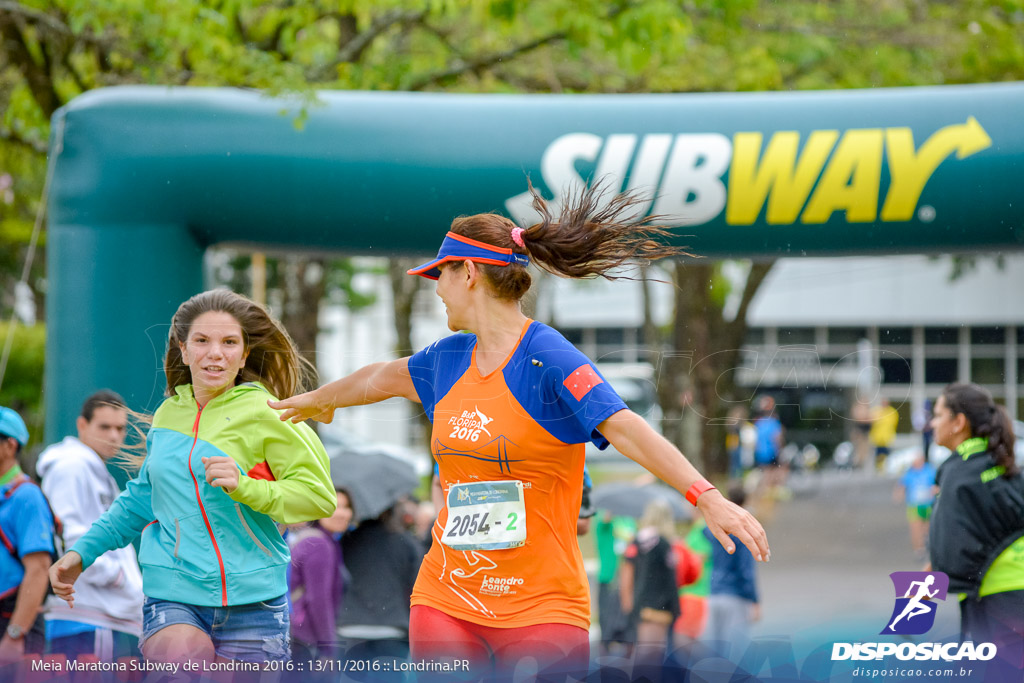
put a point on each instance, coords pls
(460, 66)
(39, 80)
(737, 328)
(353, 49)
(70, 68)
(40, 19)
(33, 146)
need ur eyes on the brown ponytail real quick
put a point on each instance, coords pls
(591, 236)
(986, 420)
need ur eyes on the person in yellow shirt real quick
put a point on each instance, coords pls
(884, 420)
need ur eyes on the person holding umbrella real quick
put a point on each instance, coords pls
(512, 404)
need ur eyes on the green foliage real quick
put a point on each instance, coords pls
(54, 50)
(22, 387)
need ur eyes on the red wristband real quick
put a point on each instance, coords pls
(699, 487)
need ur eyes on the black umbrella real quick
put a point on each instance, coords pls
(629, 500)
(375, 481)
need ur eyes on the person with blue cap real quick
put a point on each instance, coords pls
(26, 530)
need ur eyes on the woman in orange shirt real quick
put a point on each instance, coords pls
(512, 405)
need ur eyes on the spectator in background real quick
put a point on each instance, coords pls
(735, 441)
(733, 603)
(649, 590)
(860, 431)
(612, 536)
(922, 421)
(26, 527)
(317, 581)
(770, 438)
(426, 515)
(107, 619)
(693, 598)
(382, 559)
(916, 488)
(587, 509)
(884, 420)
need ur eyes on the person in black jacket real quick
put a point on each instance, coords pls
(977, 532)
(382, 558)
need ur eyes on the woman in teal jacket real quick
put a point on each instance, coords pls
(220, 469)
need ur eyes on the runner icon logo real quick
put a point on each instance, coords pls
(915, 608)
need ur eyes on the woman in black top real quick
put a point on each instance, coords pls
(647, 582)
(977, 529)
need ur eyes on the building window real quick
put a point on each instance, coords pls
(846, 335)
(796, 335)
(942, 335)
(988, 335)
(895, 335)
(895, 370)
(755, 336)
(573, 334)
(610, 336)
(988, 370)
(940, 370)
(611, 345)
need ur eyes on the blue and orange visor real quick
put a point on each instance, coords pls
(459, 248)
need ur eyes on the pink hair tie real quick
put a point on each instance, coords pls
(517, 237)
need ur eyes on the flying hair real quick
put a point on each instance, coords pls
(592, 235)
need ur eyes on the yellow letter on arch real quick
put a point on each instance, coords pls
(850, 180)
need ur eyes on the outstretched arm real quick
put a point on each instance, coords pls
(369, 384)
(635, 439)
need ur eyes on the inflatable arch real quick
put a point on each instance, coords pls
(146, 178)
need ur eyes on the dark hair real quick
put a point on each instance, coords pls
(273, 359)
(104, 398)
(348, 494)
(590, 236)
(985, 419)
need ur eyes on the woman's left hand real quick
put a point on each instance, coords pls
(221, 471)
(724, 518)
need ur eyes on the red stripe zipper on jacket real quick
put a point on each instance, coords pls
(206, 520)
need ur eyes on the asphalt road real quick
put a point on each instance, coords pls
(833, 547)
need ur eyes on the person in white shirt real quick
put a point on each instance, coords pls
(107, 617)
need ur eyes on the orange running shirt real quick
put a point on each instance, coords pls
(521, 429)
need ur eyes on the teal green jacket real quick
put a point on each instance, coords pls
(200, 544)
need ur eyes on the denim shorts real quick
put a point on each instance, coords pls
(257, 632)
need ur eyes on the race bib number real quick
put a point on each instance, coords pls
(485, 515)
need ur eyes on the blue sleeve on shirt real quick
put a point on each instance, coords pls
(435, 369)
(33, 525)
(536, 376)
